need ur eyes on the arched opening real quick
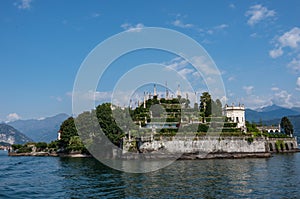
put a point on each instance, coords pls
(276, 131)
(271, 131)
(281, 147)
(271, 146)
(286, 146)
(292, 146)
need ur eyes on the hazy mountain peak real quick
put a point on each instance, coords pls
(40, 130)
(10, 135)
(272, 107)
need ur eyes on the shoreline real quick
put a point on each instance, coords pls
(47, 154)
(150, 156)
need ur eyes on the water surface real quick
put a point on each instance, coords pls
(53, 177)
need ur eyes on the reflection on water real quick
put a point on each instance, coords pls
(36, 177)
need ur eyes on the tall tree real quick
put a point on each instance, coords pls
(287, 126)
(206, 104)
(218, 108)
(108, 124)
(67, 130)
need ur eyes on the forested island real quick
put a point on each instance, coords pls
(161, 121)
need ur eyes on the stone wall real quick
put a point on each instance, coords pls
(220, 144)
(282, 144)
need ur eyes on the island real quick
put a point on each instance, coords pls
(166, 127)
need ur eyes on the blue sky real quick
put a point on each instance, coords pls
(255, 45)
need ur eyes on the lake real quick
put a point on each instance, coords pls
(54, 177)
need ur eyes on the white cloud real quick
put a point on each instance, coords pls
(232, 6)
(258, 13)
(257, 101)
(276, 53)
(289, 39)
(221, 27)
(274, 89)
(90, 95)
(12, 117)
(254, 35)
(181, 24)
(180, 65)
(298, 84)
(248, 89)
(132, 28)
(23, 4)
(283, 98)
(231, 78)
(186, 71)
(205, 65)
(294, 65)
(177, 63)
(278, 96)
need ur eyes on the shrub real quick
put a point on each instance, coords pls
(250, 140)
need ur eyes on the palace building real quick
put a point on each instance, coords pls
(236, 114)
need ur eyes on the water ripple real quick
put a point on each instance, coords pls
(40, 177)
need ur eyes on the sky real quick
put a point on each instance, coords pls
(254, 44)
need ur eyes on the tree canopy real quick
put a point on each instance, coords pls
(287, 126)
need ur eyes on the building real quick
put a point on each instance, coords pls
(236, 114)
(270, 129)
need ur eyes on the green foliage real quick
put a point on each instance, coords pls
(231, 130)
(24, 149)
(251, 127)
(53, 145)
(16, 146)
(203, 128)
(250, 139)
(257, 134)
(209, 107)
(75, 144)
(275, 135)
(108, 123)
(230, 125)
(41, 146)
(157, 111)
(205, 104)
(217, 108)
(279, 145)
(233, 133)
(67, 130)
(287, 126)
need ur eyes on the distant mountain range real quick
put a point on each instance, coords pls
(43, 130)
(10, 135)
(270, 113)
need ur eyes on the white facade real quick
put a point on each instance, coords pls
(236, 114)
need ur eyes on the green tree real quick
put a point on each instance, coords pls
(16, 146)
(41, 146)
(251, 127)
(206, 104)
(53, 145)
(67, 130)
(108, 124)
(287, 126)
(217, 108)
(75, 144)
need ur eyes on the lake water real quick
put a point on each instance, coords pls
(53, 177)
